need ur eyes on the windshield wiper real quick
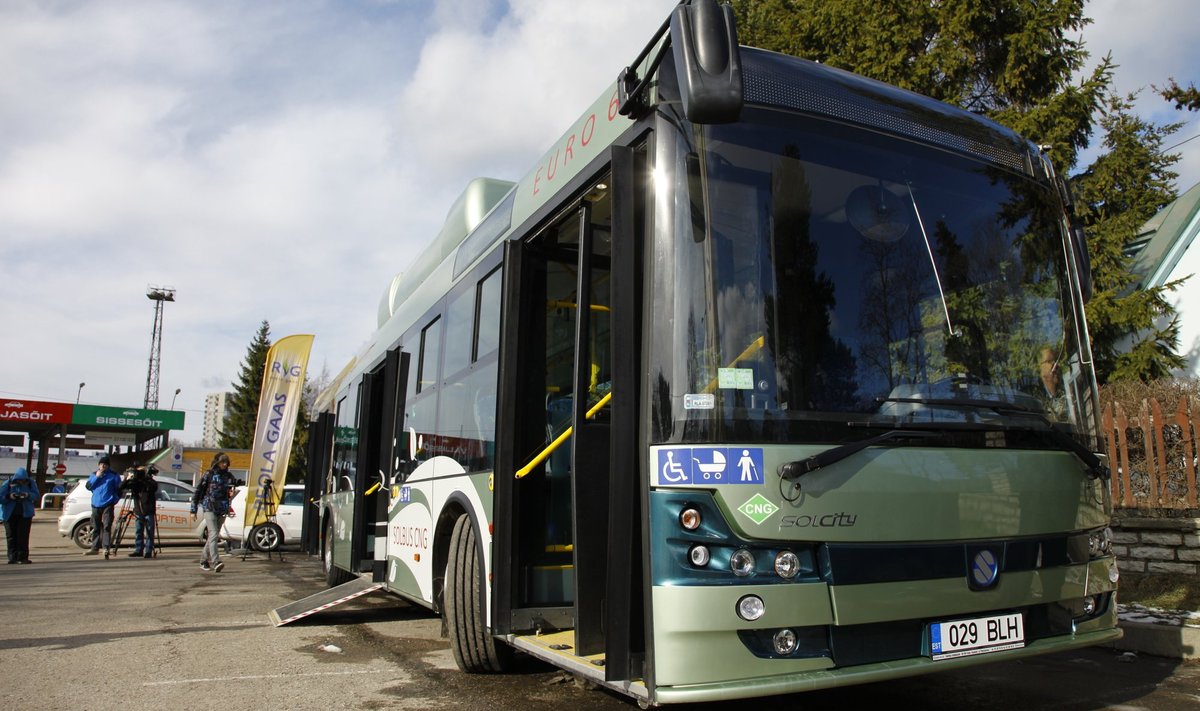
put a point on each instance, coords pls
(1065, 441)
(800, 467)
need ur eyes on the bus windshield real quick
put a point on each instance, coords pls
(817, 276)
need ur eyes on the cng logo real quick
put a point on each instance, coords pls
(758, 508)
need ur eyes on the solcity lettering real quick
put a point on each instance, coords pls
(833, 520)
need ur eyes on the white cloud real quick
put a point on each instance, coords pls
(500, 95)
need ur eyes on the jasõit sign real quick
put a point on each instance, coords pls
(133, 418)
(34, 411)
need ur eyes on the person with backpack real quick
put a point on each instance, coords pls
(213, 494)
(17, 497)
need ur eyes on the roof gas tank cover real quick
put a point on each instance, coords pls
(479, 197)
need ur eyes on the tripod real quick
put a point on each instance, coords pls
(266, 535)
(124, 516)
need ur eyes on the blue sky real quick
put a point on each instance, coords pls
(283, 160)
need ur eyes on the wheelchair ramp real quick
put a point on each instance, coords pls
(323, 600)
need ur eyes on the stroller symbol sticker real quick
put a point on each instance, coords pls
(714, 470)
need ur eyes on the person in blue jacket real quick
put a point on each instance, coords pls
(104, 485)
(17, 497)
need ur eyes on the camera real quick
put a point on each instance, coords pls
(18, 495)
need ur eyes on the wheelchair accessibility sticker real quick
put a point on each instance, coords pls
(706, 466)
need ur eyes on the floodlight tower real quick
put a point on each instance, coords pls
(158, 295)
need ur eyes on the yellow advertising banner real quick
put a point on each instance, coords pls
(278, 408)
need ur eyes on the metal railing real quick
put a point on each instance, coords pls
(53, 500)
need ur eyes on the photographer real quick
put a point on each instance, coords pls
(17, 497)
(144, 490)
(213, 493)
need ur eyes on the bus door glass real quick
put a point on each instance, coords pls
(555, 378)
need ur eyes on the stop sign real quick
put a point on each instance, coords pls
(60, 469)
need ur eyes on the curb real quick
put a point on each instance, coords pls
(1161, 633)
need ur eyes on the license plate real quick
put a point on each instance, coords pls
(981, 635)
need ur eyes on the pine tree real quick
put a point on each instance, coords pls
(243, 416)
(1118, 193)
(1011, 60)
(1188, 98)
(298, 461)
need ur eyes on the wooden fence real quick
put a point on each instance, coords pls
(1152, 455)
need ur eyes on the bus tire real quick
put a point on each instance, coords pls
(334, 576)
(475, 650)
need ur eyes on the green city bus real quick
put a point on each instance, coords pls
(767, 377)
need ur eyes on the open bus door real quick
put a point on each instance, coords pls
(320, 459)
(557, 571)
(625, 623)
(381, 439)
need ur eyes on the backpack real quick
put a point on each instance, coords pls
(218, 491)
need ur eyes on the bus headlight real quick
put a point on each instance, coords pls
(1100, 542)
(750, 608)
(787, 564)
(785, 642)
(699, 556)
(742, 562)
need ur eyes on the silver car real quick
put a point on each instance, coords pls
(174, 521)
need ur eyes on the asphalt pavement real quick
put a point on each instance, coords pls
(88, 633)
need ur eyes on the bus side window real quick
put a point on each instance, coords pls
(422, 401)
(431, 345)
(488, 331)
(467, 409)
(460, 326)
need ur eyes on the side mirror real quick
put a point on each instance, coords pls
(707, 61)
(1083, 260)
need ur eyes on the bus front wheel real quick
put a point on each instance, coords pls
(475, 650)
(334, 576)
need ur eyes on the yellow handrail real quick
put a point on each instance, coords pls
(523, 471)
(572, 305)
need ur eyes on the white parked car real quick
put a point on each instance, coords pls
(175, 523)
(289, 517)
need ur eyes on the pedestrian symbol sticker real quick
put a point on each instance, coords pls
(709, 466)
